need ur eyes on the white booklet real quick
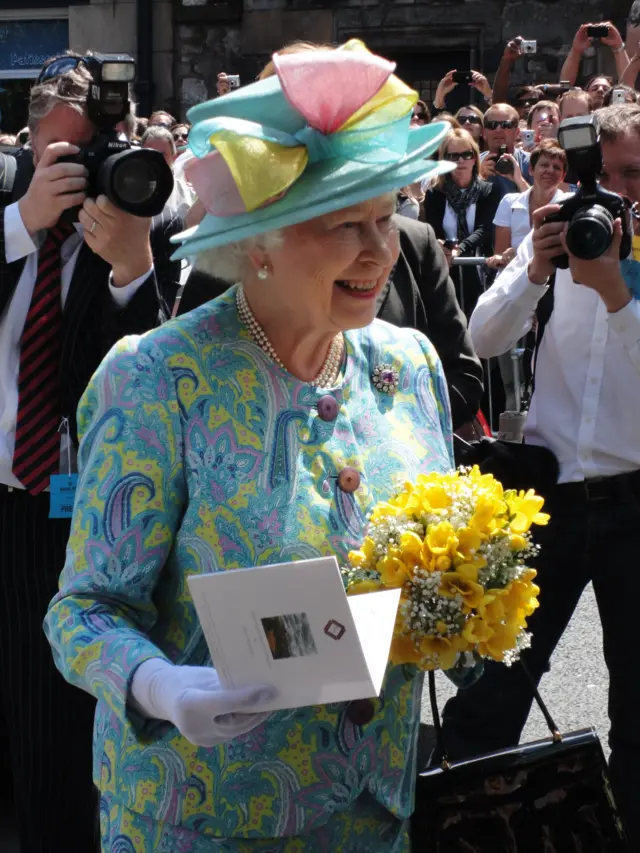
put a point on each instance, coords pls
(292, 625)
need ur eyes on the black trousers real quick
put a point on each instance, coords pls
(588, 539)
(48, 723)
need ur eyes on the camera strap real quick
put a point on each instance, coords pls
(9, 169)
(543, 313)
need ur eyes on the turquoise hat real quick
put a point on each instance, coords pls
(302, 143)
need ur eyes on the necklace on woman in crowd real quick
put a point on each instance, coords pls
(330, 370)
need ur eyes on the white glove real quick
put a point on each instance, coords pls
(192, 698)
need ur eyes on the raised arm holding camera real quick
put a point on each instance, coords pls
(455, 78)
(76, 274)
(591, 34)
(585, 410)
(514, 49)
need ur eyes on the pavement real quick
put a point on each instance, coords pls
(575, 690)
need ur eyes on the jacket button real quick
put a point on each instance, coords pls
(360, 712)
(328, 408)
(348, 479)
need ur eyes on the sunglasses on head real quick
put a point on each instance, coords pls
(469, 120)
(58, 67)
(459, 155)
(505, 125)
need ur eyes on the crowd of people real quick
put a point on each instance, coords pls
(249, 430)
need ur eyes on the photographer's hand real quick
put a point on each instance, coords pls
(516, 175)
(480, 82)
(603, 274)
(223, 87)
(581, 40)
(513, 49)
(53, 188)
(445, 86)
(548, 243)
(614, 39)
(488, 167)
(122, 240)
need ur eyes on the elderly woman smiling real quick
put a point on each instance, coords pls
(259, 428)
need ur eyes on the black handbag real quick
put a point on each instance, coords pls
(549, 796)
(516, 466)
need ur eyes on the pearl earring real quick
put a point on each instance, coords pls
(263, 273)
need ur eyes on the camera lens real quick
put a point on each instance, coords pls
(590, 232)
(134, 181)
(138, 181)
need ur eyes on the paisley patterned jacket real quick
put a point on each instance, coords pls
(200, 454)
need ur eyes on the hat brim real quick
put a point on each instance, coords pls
(324, 187)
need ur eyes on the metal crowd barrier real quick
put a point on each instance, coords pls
(458, 265)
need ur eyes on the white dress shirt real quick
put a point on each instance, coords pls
(586, 404)
(450, 221)
(19, 244)
(513, 212)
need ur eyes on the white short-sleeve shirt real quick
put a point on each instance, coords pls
(513, 213)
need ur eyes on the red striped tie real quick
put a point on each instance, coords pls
(37, 449)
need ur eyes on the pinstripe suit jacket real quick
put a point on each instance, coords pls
(92, 322)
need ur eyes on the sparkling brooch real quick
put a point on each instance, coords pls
(385, 378)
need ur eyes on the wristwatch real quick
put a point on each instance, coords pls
(618, 49)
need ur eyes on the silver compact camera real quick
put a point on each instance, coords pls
(529, 46)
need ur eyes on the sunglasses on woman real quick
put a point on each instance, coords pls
(469, 120)
(454, 156)
(505, 125)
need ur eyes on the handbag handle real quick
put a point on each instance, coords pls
(445, 763)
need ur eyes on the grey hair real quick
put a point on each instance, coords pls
(70, 88)
(230, 262)
(157, 132)
(618, 120)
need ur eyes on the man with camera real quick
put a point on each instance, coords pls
(502, 163)
(76, 274)
(586, 410)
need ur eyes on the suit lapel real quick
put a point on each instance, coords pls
(90, 276)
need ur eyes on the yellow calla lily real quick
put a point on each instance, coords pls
(443, 649)
(361, 587)
(393, 572)
(477, 631)
(469, 541)
(525, 510)
(411, 545)
(502, 639)
(404, 650)
(441, 539)
(453, 584)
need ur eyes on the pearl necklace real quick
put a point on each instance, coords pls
(330, 371)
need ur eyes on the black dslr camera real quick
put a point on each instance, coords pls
(592, 211)
(136, 180)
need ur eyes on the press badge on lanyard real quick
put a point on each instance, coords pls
(63, 487)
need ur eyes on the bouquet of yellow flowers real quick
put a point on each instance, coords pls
(457, 545)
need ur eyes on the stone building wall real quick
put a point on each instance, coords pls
(425, 38)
